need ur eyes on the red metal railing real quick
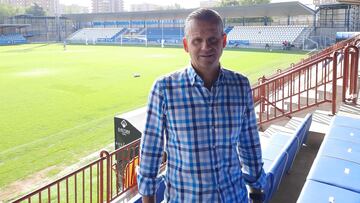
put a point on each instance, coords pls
(101, 180)
(326, 52)
(306, 84)
(69, 188)
(278, 95)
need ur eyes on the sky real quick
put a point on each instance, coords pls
(184, 3)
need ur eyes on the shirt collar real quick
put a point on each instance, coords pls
(194, 77)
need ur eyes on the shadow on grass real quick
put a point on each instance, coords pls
(26, 49)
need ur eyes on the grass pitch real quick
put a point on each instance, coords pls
(57, 106)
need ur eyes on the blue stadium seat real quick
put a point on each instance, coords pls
(303, 131)
(291, 149)
(274, 175)
(170, 34)
(347, 121)
(281, 139)
(336, 172)
(272, 151)
(340, 149)
(314, 191)
(267, 164)
(344, 133)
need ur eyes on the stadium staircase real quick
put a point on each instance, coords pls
(142, 31)
(286, 103)
(95, 35)
(298, 42)
(118, 35)
(228, 29)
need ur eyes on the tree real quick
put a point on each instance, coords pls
(35, 10)
(253, 2)
(242, 2)
(7, 10)
(229, 3)
(74, 8)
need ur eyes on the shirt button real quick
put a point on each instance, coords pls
(214, 146)
(213, 127)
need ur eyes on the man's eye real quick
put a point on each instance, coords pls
(213, 40)
(196, 41)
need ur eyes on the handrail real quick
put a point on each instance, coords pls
(68, 189)
(325, 52)
(57, 181)
(282, 74)
(270, 92)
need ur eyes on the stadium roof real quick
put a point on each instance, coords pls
(273, 9)
(349, 1)
(14, 25)
(35, 17)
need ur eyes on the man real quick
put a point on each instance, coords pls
(206, 115)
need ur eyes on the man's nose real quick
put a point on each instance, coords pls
(205, 45)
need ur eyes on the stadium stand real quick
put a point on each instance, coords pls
(273, 35)
(170, 35)
(238, 36)
(93, 35)
(335, 173)
(12, 39)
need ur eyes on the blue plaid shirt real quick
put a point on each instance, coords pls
(210, 137)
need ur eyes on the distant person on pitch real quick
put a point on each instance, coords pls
(206, 115)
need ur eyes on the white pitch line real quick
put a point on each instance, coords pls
(124, 115)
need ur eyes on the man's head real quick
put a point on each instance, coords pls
(204, 38)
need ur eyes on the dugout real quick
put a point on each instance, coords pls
(43, 28)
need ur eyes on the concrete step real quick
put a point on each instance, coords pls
(320, 121)
(273, 129)
(294, 123)
(349, 109)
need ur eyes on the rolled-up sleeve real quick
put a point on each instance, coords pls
(249, 146)
(152, 143)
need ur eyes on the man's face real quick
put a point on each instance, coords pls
(204, 42)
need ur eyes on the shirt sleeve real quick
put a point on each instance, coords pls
(249, 145)
(152, 143)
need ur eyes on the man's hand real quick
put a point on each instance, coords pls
(148, 199)
(256, 195)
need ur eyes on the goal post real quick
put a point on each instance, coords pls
(133, 39)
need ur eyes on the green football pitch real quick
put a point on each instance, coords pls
(58, 106)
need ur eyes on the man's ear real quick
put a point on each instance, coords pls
(185, 44)
(224, 40)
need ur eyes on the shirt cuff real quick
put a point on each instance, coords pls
(148, 186)
(259, 183)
